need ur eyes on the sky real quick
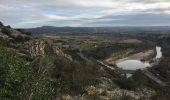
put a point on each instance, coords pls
(84, 13)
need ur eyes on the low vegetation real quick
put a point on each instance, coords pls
(53, 76)
(46, 77)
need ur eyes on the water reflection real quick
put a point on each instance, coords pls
(132, 64)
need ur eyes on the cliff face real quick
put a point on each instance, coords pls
(58, 51)
(35, 47)
(40, 47)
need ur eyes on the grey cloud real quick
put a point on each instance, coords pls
(32, 13)
(136, 20)
(147, 1)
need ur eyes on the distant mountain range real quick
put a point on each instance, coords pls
(92, 30)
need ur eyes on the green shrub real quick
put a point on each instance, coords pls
(74, 75)
(13, 75)
(125, 83)
(6, 31)
(23, 32)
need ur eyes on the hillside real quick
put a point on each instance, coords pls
(93, 30)
(66, 67)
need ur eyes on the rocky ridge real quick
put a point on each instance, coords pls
(27, 45)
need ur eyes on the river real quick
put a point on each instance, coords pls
(137, 64)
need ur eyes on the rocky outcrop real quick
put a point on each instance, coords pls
(113, 94)
(35, 47)
(107, 91)
(24, 44)
(40, 47)
(58, 51)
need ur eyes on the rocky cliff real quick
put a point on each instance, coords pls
(41, 47)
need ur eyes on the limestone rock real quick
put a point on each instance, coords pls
(67, 97)
(58, 51)
(36, 47)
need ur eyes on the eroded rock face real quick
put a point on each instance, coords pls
(40, 47)
(67, 97)
(58, 51)
(36, 47)
(23, 42)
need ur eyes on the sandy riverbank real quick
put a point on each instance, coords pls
(138, 56)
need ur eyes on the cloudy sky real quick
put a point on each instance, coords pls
(34, 13)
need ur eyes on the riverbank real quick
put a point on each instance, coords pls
(142, 56)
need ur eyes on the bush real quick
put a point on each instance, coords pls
(142, 80)
(22, 31)
(6, 31)
(21, 82)
(125, 83)
(13, 75)
(162, 93)
(3, 42)
(74, 75)
(46, 78)
(20, 38)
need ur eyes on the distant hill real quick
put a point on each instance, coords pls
(92, 30)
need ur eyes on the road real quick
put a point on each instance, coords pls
(116, 69)
(145, 70)
(83, 57)
(151, 76)
(110, 67)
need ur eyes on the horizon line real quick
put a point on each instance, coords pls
(131, 26)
